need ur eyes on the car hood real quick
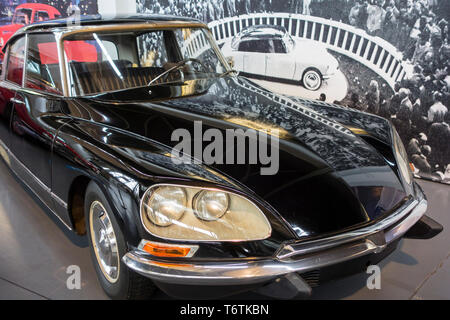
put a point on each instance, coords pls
(8, 30)
(329, 178)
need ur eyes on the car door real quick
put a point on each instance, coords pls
(10, 83)
(279, 64)
(34, 121)
(254, 56)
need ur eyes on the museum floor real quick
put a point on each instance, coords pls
(35, 251)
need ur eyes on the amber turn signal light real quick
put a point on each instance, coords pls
(167, 250)
(411, 166)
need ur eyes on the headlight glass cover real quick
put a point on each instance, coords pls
(168, 204)
(187, 213)
(402, 158)
(210, 205)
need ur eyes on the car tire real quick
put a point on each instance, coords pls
(116, 279)
(312, 79)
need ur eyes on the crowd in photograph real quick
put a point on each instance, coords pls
(419, 105)
(417, 28)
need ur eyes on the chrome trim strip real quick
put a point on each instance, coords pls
(397, 231)
(57, 199)
(16, 101)
(241, 272)
(258, 271)
(37, 180)
(25, 61)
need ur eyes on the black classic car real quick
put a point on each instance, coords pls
(87, 118)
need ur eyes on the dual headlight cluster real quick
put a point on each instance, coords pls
(198, 214)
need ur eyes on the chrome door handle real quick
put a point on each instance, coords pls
(14, 100)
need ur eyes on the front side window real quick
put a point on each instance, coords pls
(22, 16)
(279, 46)
(16, 59)
(41, 16)
(42, 69)
(258, 45)
(253, 46)
(119, 60)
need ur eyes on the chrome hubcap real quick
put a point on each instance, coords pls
(104, 242)
(312, 80)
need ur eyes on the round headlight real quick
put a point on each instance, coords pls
(211, 205)
(166, 205)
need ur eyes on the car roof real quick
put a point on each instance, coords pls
(37, 6)
(263, 32)
(98, 20)
(89, 20)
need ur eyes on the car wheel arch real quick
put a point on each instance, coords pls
(75, 205)
(311, 69)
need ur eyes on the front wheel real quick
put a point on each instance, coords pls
(107, 247)
(312, 79)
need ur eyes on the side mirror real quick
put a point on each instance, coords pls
(230, 61)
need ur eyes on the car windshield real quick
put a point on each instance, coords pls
(111, 61)
(22, 16)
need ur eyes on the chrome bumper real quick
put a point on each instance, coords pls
(294, 257)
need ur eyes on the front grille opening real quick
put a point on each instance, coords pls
(312, 278)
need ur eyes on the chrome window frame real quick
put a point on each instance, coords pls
(25, 61)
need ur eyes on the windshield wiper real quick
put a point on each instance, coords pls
(228, 72)
(175, 67)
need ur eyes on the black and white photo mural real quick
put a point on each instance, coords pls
(386, 57)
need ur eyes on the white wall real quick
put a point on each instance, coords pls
(116, 7)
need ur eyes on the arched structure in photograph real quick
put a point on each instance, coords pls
(377, 54)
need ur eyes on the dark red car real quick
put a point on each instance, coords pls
(25, 14)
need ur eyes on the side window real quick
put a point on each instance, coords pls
(279, 46)
(42, 69)
(261, 46)
(16, 59)
(41, 16)
(249, 46)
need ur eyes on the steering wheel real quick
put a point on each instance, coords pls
(183, 63)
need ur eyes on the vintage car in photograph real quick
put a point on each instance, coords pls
(87, 115)
(25, 14)
(270, 53)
